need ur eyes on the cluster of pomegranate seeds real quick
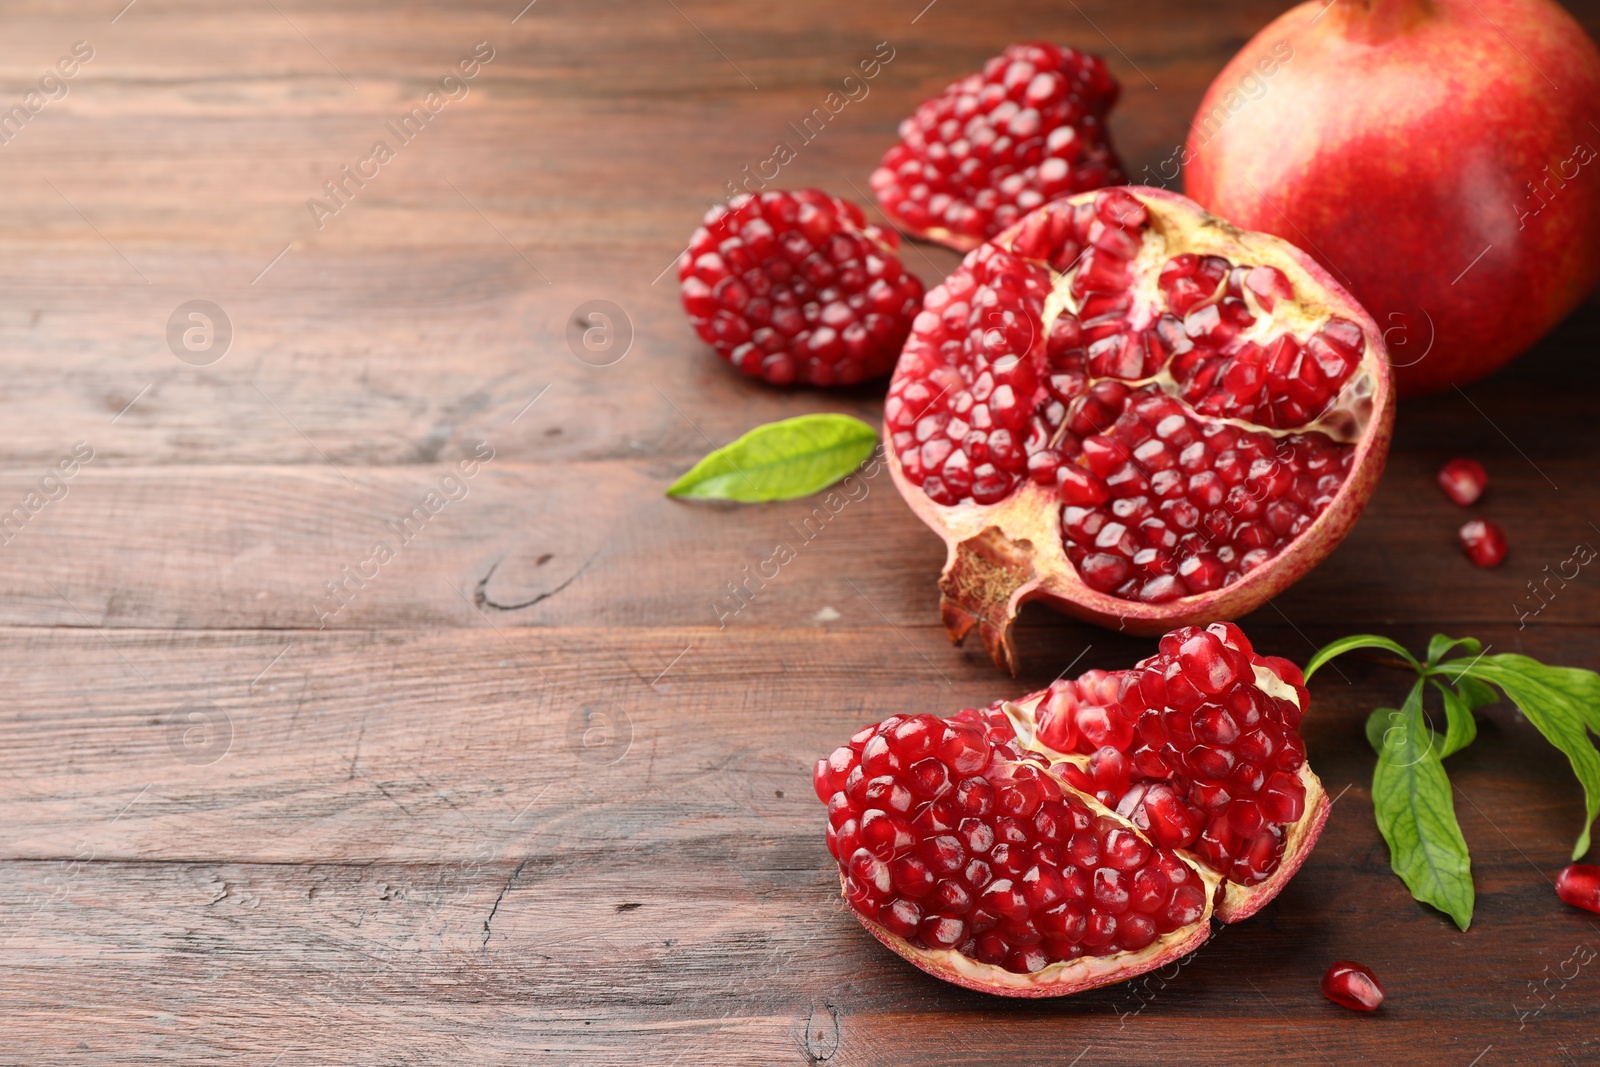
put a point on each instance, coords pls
(1463, 481)
(1277, 382)
(1484, 542)
(797, 287)
(1350, 985)
(963, 429)
(1027, 130)
(1161, 504)
(1187, 747)
(1578, 884)
(953, 840)
(1128, 402)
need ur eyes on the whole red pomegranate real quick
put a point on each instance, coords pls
(1136, 412)
(1086, 833)
(1437, 156)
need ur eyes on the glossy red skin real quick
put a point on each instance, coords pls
(1396, 144)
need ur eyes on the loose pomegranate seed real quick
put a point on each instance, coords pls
(1463, 480)
(1028, 129)
(1352, 986)
(797, 288)
(1484, 541)
(1166, 492)
(1579, 885)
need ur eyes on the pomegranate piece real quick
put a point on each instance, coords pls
(1484, 542)
(1085, 833)
(798, 289)
(1405, 234)
(1579, 885)
(1133, 411)
(1027, 129)
(1463, 480)
(1352, 986)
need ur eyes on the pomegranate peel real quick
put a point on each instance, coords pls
(1073, 440)
(1085, 833)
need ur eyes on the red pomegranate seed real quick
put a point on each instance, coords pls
(797, 288)
(1579, 885)
(1463, 480)
(1352, 986)
(1028, 129)
(1484, 541)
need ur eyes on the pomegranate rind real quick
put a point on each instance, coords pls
(1000, 556)
(1057, 979)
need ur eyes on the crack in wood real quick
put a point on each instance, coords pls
(480, 595)
(509, 883)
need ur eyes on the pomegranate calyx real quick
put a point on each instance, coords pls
(985, 580)
(1373, 22)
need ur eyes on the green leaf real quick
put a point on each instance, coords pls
(1477, 694)
(1462, 728)
(1563, 703)
(1416, 813)
(1347, 644)
(1442, 644)
(781, 460)
(1391, 721)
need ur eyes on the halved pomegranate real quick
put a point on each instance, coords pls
(1085, 833)
(1131, 409)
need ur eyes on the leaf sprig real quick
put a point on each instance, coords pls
(1411, 793)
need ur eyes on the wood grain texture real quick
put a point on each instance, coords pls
(537, 793)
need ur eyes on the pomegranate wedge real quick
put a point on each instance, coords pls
(1085, 833)
(1132, 410)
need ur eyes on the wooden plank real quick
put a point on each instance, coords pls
(591, 544)
(398, 746)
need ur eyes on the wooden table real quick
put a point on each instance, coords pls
(518, 798)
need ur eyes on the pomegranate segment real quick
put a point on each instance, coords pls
(1578, 884)
(1135, 408)
(1190, 746)
(1352, 986)
(797, 288)
(1484, 542)
(1084, 833)
(1164, 505)
(1463, 480)
(1028, 129)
